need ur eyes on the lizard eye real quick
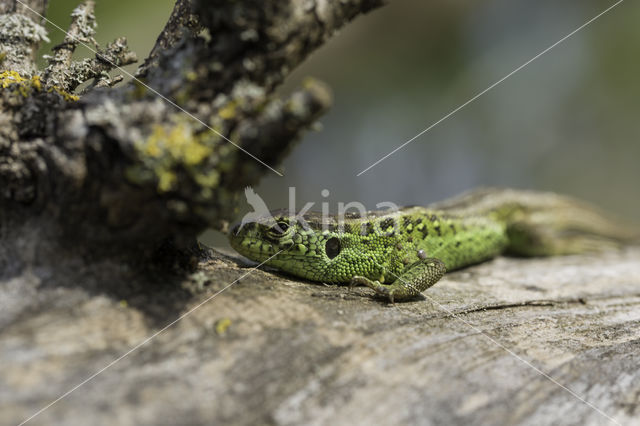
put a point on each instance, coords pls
(279, 229)
(332, 247)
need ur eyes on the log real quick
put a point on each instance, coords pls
(257, 347)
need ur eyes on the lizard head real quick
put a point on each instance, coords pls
(309, 248)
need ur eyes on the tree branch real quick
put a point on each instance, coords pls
(21, 32)
(129, 168)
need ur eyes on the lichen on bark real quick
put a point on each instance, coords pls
(165, 156)
(20, 37)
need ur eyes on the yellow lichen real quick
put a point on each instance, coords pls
(166, 179)
(69, 97)
(12, 79)
(178, 143)
(208, 180)
(35, 82)
(152, 146)
(8, 78)
(222, 325)
(191, 76)
(196, 154)
(174, 148)
(228, 111)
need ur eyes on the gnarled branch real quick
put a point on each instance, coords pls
(155, 159)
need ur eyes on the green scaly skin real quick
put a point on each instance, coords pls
(401, 254)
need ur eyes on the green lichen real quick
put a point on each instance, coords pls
(174, 150)
(26, 86)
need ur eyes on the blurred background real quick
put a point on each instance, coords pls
(568, 122)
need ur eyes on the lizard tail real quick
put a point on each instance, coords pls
(544, 223)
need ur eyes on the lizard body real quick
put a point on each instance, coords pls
(400, 254)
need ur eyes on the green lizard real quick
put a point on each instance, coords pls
(400, 254)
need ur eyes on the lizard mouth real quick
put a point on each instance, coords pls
(256, 248)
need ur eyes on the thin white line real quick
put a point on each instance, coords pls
(145, 341)
(518, 357)
(156, 92)
(492, 86)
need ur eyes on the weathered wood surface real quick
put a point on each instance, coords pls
(269, 350)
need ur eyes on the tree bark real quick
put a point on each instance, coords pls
(164, 157)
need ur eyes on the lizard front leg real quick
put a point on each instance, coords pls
(415, 279)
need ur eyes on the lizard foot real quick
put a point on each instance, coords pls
(415, 279)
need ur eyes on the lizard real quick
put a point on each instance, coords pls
(401, 253)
